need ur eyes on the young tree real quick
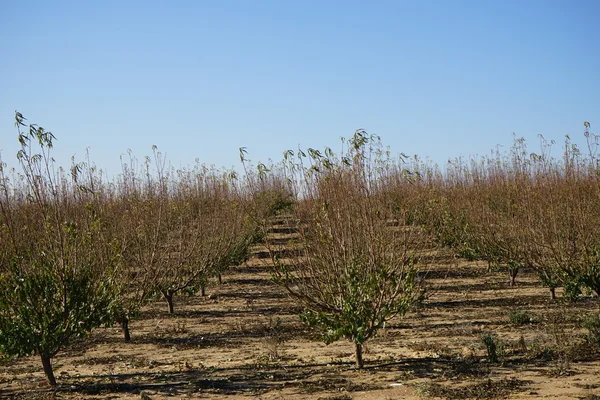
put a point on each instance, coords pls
(355, 264)
(204, 223)
(566, 231)
(138, 212)
(180, 228)
(57, 260)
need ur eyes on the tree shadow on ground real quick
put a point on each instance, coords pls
(501, 302)
(256, 379)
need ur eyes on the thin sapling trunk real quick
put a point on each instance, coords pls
(358, 354)
(125, 327)
(169, 297)
(47, 363)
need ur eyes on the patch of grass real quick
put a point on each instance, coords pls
(439, 349)
(520, 317)
(179, 328)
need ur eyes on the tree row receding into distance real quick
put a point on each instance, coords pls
(79, 251)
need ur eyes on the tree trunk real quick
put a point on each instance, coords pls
(553, 293)
(513, 276)
(358, 354)
(169, 297)
(46, 362)
(203, 290)
(220, 279)
(125, 327)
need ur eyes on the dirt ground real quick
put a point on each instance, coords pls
(246, 340)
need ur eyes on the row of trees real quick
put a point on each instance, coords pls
(518, 210)
(77, 252)
(355, 263)
(365, 221)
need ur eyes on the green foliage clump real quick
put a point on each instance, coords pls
(469, 253)
(41, 311)
(57, 259)
(572, 288)
(493, 346)
(592, 324)
(358, 317)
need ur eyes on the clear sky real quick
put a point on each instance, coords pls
(200, 79)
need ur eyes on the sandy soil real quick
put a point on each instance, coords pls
(247, 341)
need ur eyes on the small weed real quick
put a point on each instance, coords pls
(271, 346)
(177, 329)
(540, 348)
(272, 339)
(522, 345)
(440, 350)
(493, 346)
(520, 317)
(464, 329)
(561, 365)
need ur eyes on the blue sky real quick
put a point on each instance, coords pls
(200, 79)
